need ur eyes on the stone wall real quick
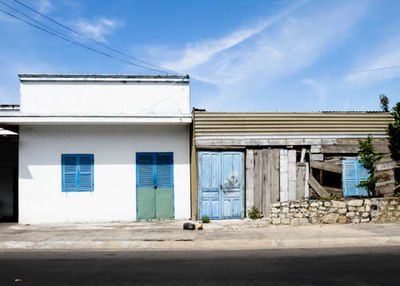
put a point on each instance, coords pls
(336, 211)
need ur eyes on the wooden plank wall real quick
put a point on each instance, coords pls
(262, 179)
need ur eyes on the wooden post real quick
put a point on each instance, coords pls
(283, 176)
(275, 176)
(292, 175)
(267, 165)
(249, 180)
(258, 176)
(307, 176)
(300, 181)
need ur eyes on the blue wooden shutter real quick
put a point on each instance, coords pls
(77, 172)
(350, 170)
(69, 173)
(353, 174)
(145, 170)
(85, 172)
(363, 175)
(164, 171)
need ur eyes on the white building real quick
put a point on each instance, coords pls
(98, 148)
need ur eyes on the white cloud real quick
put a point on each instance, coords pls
(97, 29)
(387, 55)
(201, 52)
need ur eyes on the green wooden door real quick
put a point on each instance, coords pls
(155, 192)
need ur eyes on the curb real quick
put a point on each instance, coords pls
(202, 244)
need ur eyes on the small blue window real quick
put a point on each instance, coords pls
(353, 174)
(77, 172)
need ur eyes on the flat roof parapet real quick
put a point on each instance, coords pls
(102, 78)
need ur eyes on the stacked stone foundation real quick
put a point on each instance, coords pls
(363, 210)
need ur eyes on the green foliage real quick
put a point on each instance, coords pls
(384, 102)
(393, 131)
(205, 219)
(368, 158)
(255, 213)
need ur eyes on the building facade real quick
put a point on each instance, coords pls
(242, 160)
(101, 148)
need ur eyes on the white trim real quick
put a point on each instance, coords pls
(57, 119)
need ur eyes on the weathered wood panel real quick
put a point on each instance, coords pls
(283, 176)
(262, 171)
(292, 175)
(267, 165)
(249, 180)
(351, 149)
(258, 179)
(381, 166)
(315, 149)
(334, 191)
(316, 157)
(354, 141)
(275, 176)
(385, 175)
(326, 166)
(317, 187)
(307, 176)
(300, 181)
(303, 155)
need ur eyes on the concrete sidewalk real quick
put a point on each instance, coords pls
(169, 235)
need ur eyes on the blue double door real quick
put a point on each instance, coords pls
(220, 184)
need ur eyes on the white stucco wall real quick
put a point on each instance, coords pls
(41, 199)
(105, 98)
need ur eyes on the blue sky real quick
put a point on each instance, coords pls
(253, 55)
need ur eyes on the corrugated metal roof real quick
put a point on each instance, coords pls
(271, 123)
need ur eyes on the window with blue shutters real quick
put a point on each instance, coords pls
(353, 174)
(77, 172)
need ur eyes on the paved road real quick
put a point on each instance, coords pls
(341, 266)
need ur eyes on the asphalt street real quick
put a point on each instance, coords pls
(335, 266)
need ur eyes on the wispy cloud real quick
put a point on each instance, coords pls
(250, 60)
(387, 55)
(290, 46)
(201, 52)
(97, 29)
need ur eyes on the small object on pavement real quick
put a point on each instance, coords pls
(199, 226)
(188, 226)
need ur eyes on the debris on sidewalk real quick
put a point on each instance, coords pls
(192, 226)
(199, 226)
(188, 226)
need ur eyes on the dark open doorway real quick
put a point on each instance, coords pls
(8, 176)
